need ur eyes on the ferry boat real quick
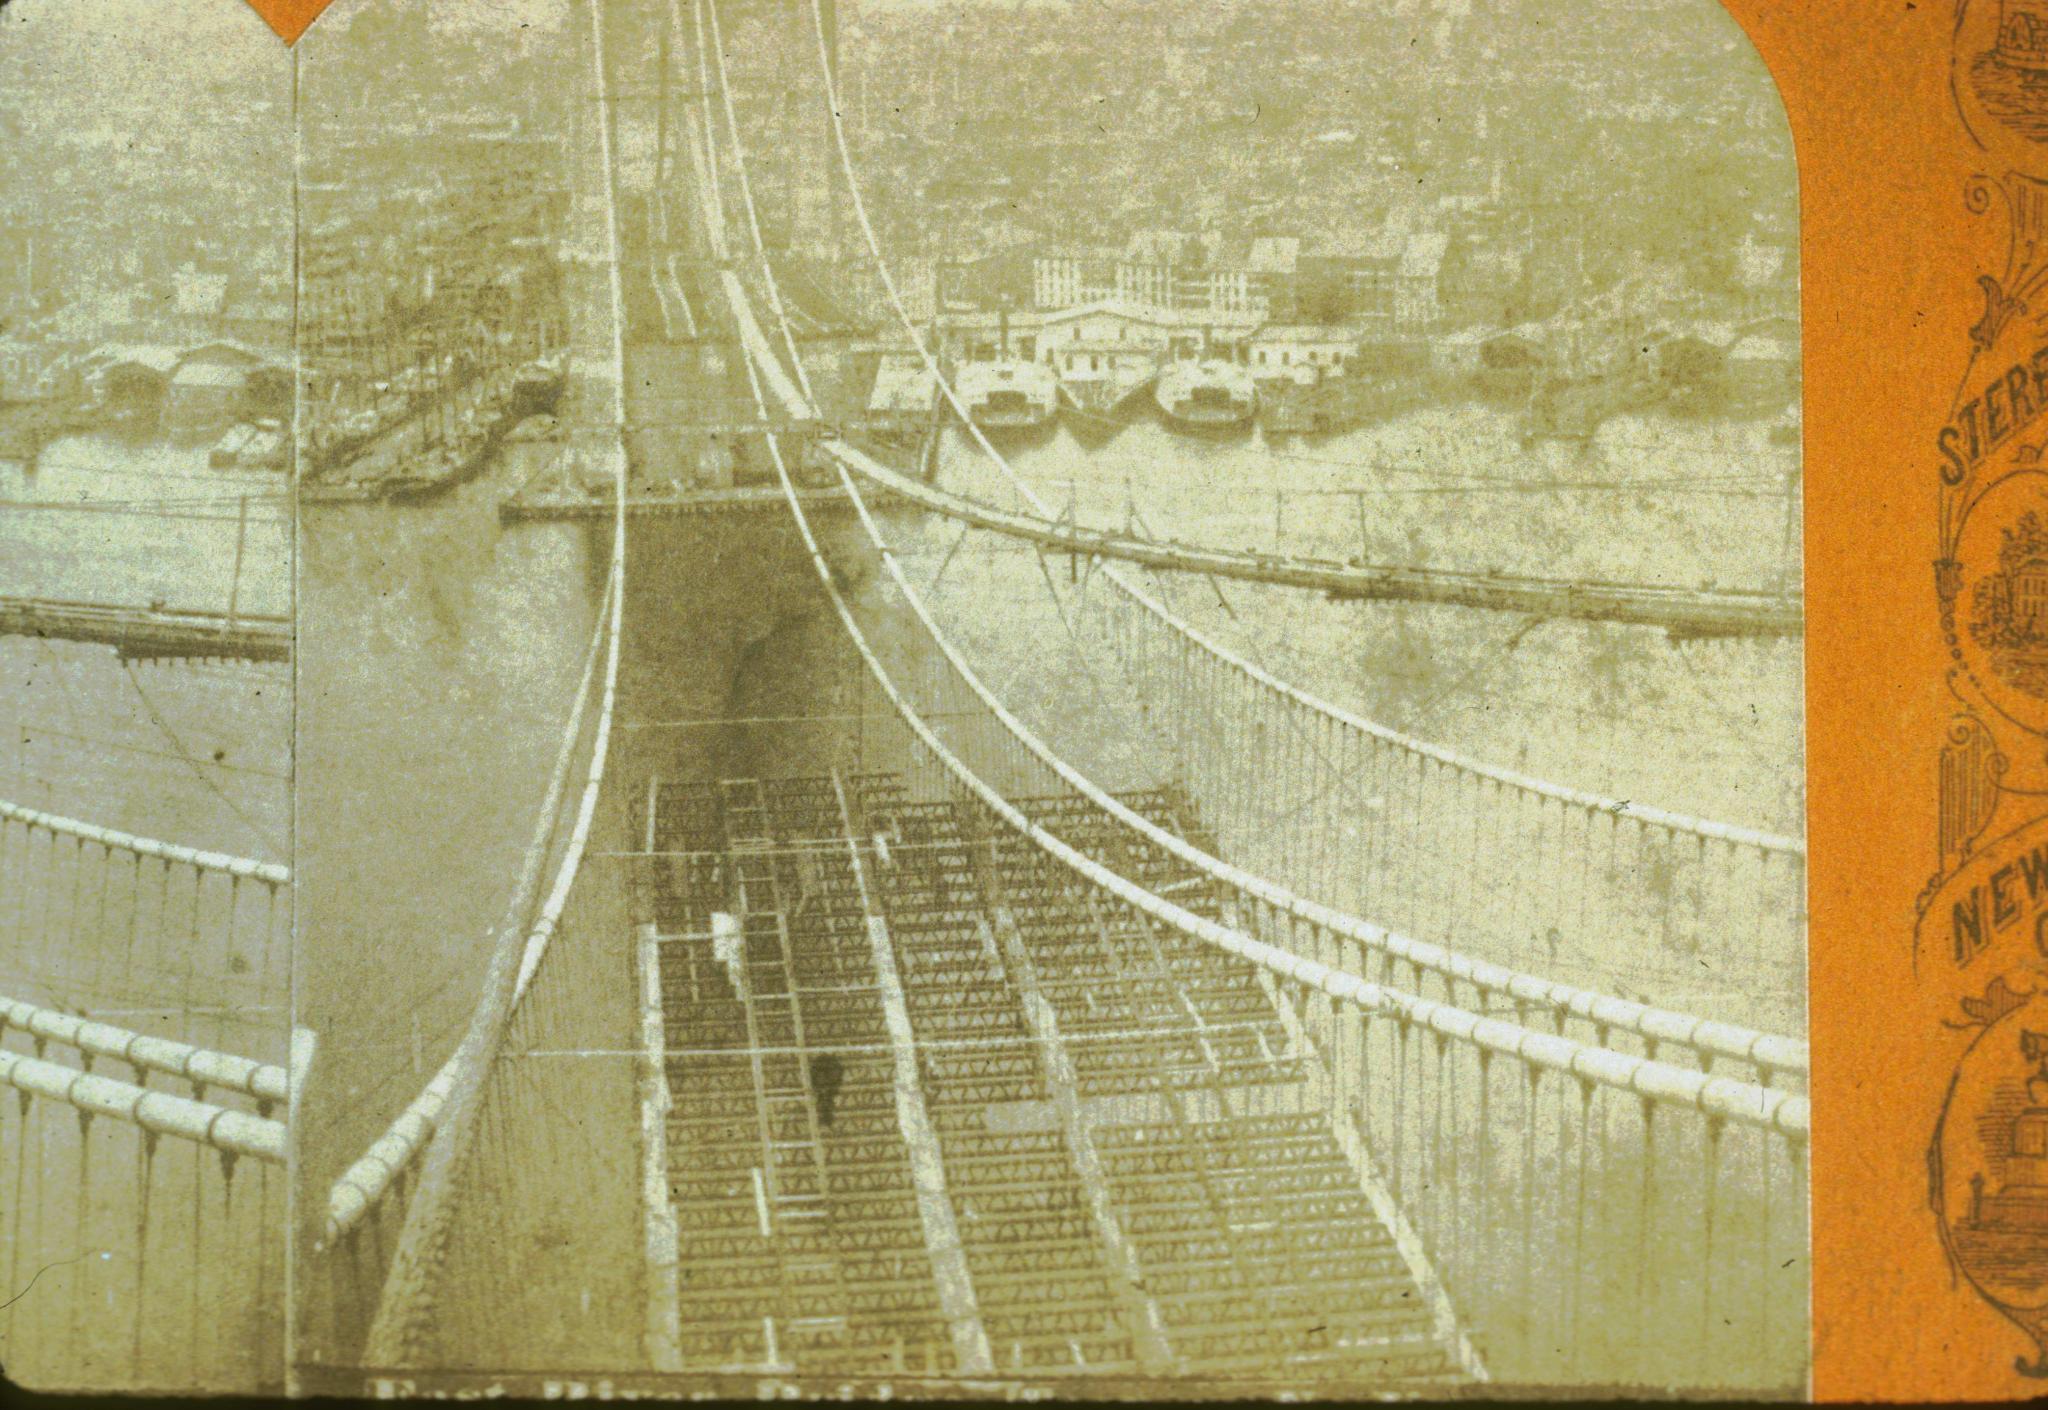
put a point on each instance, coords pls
(1210, 393)
(258, 445)
(227, 451)
(1008, 395)
(266, 449)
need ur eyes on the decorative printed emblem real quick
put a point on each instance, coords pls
(2009, 617)
(1988, 1165)
(1982, 934)
(2004, 56)
(1994, 608)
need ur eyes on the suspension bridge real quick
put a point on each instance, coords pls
(972, 1056)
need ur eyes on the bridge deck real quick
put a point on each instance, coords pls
(1207, 1210)
(149, 633)
(740, 499)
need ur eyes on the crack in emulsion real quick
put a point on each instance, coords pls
(62, 1262)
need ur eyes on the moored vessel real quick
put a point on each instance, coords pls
(1009, 395)
(1210, 393)
(537, 387)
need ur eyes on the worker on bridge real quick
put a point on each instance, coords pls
(826, 1072)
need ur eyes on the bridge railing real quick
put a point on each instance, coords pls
(1596, 1216)
(109, 925)
(144, 1022)
(1592, 890)
(142, 1210)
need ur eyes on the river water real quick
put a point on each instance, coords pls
(196, 753)
(437, 657)
(103, 519)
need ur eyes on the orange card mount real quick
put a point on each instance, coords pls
(1982, 934)
(1922, 133)
(289, 17)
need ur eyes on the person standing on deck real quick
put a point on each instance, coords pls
(826, 1071)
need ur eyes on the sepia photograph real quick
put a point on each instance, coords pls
(871, 698)
(146, 358)
(1028, 697)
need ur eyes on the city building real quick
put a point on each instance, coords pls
(1303, 353)
(218, 383)
(1163, 270)
(40, 369)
